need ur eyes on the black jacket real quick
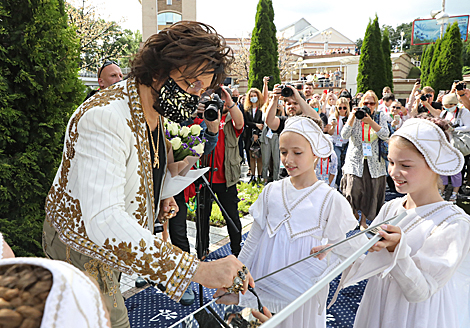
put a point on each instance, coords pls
(250, 123)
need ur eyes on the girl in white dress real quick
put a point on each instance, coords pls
(290, 217)
(414, 273)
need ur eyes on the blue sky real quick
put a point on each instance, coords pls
(350, 17)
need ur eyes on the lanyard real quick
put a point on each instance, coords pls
(363, 131)
(327, 166)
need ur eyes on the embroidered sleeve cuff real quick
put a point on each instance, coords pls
(182, 276)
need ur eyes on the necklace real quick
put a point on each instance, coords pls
(156, 160)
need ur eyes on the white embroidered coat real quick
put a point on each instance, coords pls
(102, 200)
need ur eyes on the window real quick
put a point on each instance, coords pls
(169, 2)
(168, 18)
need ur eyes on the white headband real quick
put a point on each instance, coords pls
(321, 145)
(431, 141)
(74, 300)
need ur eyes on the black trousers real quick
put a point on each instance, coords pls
(177, 225)
(228, 197)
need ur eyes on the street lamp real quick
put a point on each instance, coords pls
(441, 16)
(402, 33)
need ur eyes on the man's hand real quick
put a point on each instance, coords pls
(276, 94)
(213, 126)
(220, 273)
(168, 209)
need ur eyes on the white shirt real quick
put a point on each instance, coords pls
(462, 118)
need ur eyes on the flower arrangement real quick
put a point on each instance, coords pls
(185, 141)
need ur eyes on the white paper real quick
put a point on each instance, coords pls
(174, 185)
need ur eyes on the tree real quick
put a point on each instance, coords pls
(387, 59)
(263, 49)
(371, 72)
(241, 65)
(431, 76)
(448, 65)
(98, 38)
(426, 64)
(285, 58)
(39, 89)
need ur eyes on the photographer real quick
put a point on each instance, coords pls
(364, 172)
(336, 122)
(227, 161)
(104, 202)
(459, 118)
(295, 105)
(425, 104)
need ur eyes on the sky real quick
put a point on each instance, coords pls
(236, 18)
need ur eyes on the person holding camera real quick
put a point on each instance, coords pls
(104, 202)
(336, 123)
(253, 117)
(364, 172)
(425, 103)
(459, 119)
(226, 159)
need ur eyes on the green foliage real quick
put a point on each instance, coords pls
(414, 73)
(371, 72)
(39, 89)
(387, 59)
(435, 55)
(264, 55)
(247, 193)
(448, 65)
(426, 61)
(465, 70)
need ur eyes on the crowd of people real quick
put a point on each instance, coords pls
(324, 158)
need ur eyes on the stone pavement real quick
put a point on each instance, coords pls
(218, 238)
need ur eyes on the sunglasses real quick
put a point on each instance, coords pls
(396, 107)
(341, 108)
(106, 64)
(369, 103)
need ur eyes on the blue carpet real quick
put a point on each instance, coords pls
(151, 308)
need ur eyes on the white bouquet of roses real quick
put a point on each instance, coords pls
(187, 146)
(185, 141)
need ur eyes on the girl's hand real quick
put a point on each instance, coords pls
(319, 248)
(391, 237)
(262, 317)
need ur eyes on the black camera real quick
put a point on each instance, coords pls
(212, 107)
(286, 91)
(460, 86)
(423, 98)
(361, 112)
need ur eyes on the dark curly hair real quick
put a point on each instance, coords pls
(196, 46)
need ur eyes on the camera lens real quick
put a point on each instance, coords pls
(286, 91)
(211, 113)
(423, 98)
(360, 114)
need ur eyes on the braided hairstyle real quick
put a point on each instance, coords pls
(23, 293)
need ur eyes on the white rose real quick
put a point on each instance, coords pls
(196, 130)
(199, 149)
(176, 143)
(173, 129)
(184, 131)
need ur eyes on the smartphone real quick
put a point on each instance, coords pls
(442, 92)
(396, 117)
(271, 77)
(418, 81)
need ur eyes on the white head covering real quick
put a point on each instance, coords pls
(74, 300)
(321, 145)
(431, 141)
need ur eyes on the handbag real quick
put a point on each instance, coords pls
(383, 145)
(255, 149)
(460, 139)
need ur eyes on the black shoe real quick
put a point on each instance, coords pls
(140, 282)
(188, 297)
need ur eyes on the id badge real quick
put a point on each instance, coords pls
(366, 149)
(339, 142)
